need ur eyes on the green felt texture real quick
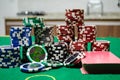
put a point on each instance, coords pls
(62, 73)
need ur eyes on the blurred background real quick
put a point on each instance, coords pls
(17, 8)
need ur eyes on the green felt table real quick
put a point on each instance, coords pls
(62, 73)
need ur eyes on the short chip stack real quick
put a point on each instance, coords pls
(57, 51)
(74, 16)
(65, 33)
(33, 22)
(9, 57)
(20, 36)
(87, 33)
(101, 45)
(77, 46)
(43, 35)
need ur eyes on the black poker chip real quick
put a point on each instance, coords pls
(9, 56)
(74, 58)
(43, 36)
(23, 52)
(57, 51)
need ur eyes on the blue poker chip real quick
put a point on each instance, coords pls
(9, 51)
(20, 36)
(9, 56)
(32, 67)
(11, 64)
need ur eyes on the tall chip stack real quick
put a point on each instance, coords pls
(21, 37)
(41, 32)
(82, 33)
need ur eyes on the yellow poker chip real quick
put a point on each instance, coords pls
(36, 53)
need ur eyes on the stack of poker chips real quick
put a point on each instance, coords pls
(9, 56)
(100, 45)
(74, 19)
(43, 35)
(74, 16)
(77, 46)
(41, 32)
(65, 33)
(33, 22)
(87, 33)
(82, 33)
(21, 37)
(57, 51)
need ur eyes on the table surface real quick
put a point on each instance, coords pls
(62, 73)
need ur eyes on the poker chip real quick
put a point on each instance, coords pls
(31, 67)
(64, 30)
(57, 51)
(101, 45)
(9, 56)
(77, 46)
(43, 36)
(20, 36)
(74, 58)
(33, 22)
(36, 53)
(87, 33)
(46, 68)
(23, 52)
(74, 16)
(53, 64)
(66, 38)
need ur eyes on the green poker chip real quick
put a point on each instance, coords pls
(53, 64)
(36, 53)
(33, 22)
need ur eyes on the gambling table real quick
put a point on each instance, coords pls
(62, 73)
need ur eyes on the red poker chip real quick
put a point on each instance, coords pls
(65, 38)
(87, 33)
(74, 15)
(77, 46)
(101, 45)
(64, 31)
